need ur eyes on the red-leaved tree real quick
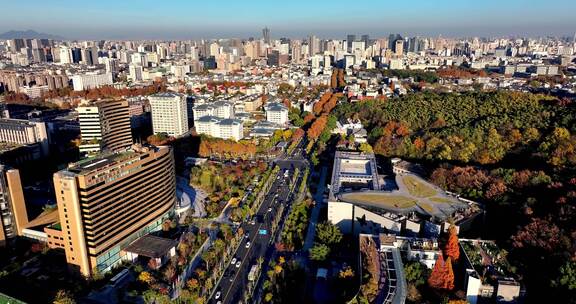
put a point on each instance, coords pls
(452, 249)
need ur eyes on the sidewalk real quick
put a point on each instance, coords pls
(309, 241)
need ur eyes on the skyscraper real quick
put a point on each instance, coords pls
(266, 35)
(105, 203)
(399, 47)
(313, 45)
(349, 40)
(366, 39)
(169, 113)
(105, 126)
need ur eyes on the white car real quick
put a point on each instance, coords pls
(247, 244)
(233, 261)
(217, 296)
(238, 264)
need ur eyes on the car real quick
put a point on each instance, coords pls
(252, 222)
(270, 209)
(233, 261)
(247, 244)
(247, 235)
(217, 296)
(238, 264)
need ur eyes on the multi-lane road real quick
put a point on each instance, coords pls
(235, 280)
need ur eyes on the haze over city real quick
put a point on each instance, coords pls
(181, 19)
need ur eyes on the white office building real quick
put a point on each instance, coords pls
(169, 113)
(276, 113)
(136, 73)
(219, 109)
(220, 128)
(24, 132)
(91, 81)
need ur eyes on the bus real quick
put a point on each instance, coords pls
(253, 273)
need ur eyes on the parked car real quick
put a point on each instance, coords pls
(247, 244)
(238, 264)
(233, 261)
(217, 296)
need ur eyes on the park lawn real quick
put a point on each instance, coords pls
(441, 200)
(395, 201)
(418, 188)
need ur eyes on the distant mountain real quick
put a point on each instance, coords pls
(29, 34)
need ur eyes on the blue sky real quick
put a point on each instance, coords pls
(173, 19)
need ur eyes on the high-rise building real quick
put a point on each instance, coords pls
(107, 202)
(399, 47)
(105, 126)
(366, 39)
(169, 113)
(266, 35)
(13, 215)
(65, 56)
(392, 40)
(313, 45)
(349, 40)
(76, 55)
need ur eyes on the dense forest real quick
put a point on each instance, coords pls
(515, 152)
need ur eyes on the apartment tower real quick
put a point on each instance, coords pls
(169, 114)
(107, 202)
(105, 126)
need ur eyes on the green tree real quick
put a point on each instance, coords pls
(416, 273)
(365, 147)
(64, 297)
(328, 234)
(319, 252)
(567, 277)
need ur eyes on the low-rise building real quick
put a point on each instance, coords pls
(277, 113)
(24, 132)
(219, 128)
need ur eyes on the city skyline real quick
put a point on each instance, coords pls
(126, 20)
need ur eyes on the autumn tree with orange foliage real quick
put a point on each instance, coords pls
(225, 148)
(298, 134)
(317, 127)
(452, 249)
(319, 105)
(341, 81)
(449, 282)
(457, 302)
(309, 118)
(461, 73)
(334, 79)
(442, 276)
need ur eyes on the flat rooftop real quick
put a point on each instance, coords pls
(352, 168)
(151, 246)
(99, 161)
